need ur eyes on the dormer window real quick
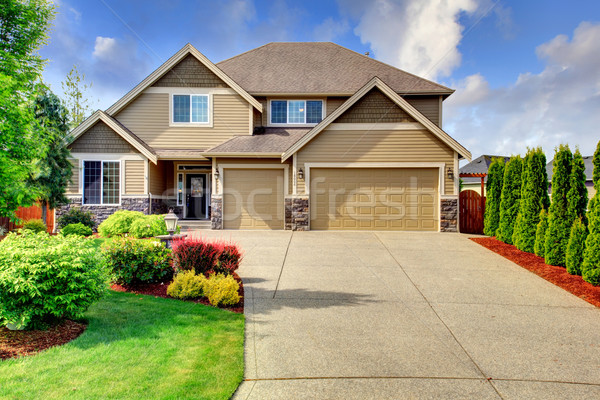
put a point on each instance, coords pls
(191, 109)
(296, 112)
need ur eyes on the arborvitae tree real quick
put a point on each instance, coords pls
(509, 200)
(493, 190)
(533, 194)
(540, 234)
(590, 269)
(577, 197)
(559, 219)
(576, 247)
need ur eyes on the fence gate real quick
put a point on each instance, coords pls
(472, 208)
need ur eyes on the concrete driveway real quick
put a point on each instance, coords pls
(382, 315)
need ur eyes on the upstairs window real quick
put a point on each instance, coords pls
(101, 182)
(296, 111)
(190, 108)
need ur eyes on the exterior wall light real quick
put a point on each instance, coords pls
(450, 173)
(301, 174)
(217, 173)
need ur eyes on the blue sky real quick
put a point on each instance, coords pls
(526, 73)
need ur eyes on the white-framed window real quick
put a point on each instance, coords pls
(190, 109)
(296, 112)
(179, 189)
(101, 182)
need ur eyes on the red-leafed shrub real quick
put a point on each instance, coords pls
(205, 257)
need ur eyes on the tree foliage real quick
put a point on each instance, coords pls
(534, 192)
(590, 269)
(540, 234)
(509, 202)
(577, 196)
(78, 103)
(559, 219)
(576, 247)
(493, 190)
(23, 30)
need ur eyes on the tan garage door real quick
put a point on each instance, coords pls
(253, 199)
(374, 199)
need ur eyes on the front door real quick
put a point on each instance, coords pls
(196, 186)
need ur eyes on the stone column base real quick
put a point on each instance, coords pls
(101, 212)
(449, 215)
(297, 213)
(216, 214)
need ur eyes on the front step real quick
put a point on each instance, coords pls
(194, 225)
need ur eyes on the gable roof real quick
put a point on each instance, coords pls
(188, 49)
(400, 102)
(480, 165)
(119, 128)
(588, 161)
(273, 142)
(318, 68)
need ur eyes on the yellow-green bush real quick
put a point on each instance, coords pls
(187, 285)
(221, 290)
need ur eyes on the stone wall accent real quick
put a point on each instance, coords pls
(297, 213)
(159, 206)
(449, 215)
(102, 212)
(216, 214)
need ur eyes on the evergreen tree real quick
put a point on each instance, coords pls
(590, 269)
(533, 193)
(493, 190)
(540, 234)
(576, 247)
(577, 196)
(509, 200)
(559, 218)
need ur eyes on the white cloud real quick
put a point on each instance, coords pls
(105, 48)
(558, 105)
(330, 29)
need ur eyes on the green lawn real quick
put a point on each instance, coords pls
(137, 347)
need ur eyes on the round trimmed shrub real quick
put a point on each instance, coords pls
(35, 225)
(44, 279)
(148, 226)
(76, 229)
(222, 290)
(118, 223)
(187, 285)
(76, 215)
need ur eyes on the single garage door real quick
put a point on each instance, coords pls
(374, 198)
(253, 199)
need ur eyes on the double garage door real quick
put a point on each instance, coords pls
(340, 199)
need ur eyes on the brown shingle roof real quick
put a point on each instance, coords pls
(319, 68)
(273, 140)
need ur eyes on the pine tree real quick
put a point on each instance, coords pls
(540, 234)
(590, 269)
(493, 190)
(509, 200)
(559, 219)
(577, 197)
(576, 247)
(533, 194)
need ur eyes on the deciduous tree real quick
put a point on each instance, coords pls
(78, 102)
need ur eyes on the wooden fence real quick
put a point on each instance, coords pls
(472, 209)
(27, 213)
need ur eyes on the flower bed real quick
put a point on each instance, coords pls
(556, 275)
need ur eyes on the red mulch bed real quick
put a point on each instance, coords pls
(556, 275)
(23, 343)
(160, 290)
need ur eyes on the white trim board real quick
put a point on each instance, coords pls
(188, 90)
(385, 126)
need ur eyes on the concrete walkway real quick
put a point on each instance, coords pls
(407, 316)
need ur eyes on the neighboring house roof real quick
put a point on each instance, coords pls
(318, 68)
(274, 142)
(166, 67)
(480, 165)
(119, 128)
(400, 102)
(587, 161)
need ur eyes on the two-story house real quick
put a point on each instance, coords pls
(286, 136)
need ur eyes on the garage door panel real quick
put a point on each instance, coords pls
(374, 199)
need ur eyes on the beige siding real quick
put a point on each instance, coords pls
(157, 183)
(73, 186)
(377, 146)
(100, 138)
(374, 107)
(134, 176)
(429, 106)
(148, 117)
(188, 73)
(261, 120)
(334, 102)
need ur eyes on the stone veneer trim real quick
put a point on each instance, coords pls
(449, 215)
(216, 215)
(297, 213)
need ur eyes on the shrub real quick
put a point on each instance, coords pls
(35, 225)
(195, 254)
(229, 259)
(576, 247)
(46, 278)
(559, 218)
(590, 269)
(577, 196)
(221, 290)
(493, 190)
(76, 215)
(76, 229)
(534, 198)
(509, 203)
(187, 285)
(540, 234)
(118, 223)
(134, 261)
(148, 226)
